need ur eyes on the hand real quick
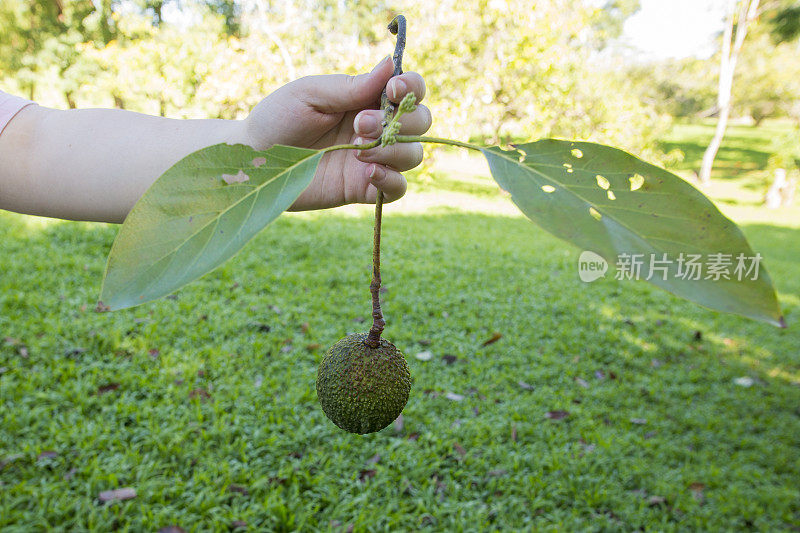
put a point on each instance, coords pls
(321, 111)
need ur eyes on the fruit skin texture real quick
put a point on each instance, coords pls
(363, 389)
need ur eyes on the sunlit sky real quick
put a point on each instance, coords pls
(675, 28)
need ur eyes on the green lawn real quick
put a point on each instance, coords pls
(205, 404)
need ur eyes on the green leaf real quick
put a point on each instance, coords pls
(198, 214)
(609, 202)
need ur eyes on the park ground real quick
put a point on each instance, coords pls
(603, 406)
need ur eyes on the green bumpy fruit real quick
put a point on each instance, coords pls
(363, 389)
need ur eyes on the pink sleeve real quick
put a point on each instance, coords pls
(10, 105)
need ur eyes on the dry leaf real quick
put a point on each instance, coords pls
(654, 501)
(49, 454)
(582, 382)
(524, 385)
(744, 381)
(497, 473)
(514, 433)
(102, 389)
(126, 493)
(453, 396)
(496, 336)
(366, 474)
(460, 449)
(101, 308)
(640, 421)
(202, 394)
(239, 489)
(556, 415)
(424, 356)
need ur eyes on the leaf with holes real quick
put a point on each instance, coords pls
(609, 202)
(198, 214)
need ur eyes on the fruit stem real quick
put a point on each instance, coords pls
(397, 27)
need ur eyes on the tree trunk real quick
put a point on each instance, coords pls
(748, 9)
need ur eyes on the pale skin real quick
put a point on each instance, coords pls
(94, 164)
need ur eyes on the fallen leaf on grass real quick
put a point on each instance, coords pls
(639, 421)
(582, 382)
(424, 356)
(654, 501)
(49, 454)
(238, 524)
(697, 491)
(556, 415)
(201, 394)
(366, 474)
(496, 336)
(238, 489)
(514, 433)
(126, 493)
(524, 385)
(453, 396)
(313, 346)
(744, 381)
(102, 389)
(23, 352)
(497, 473)
(413, 436)
(101, 308)
(460, 449)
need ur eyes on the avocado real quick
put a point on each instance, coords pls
(363, 389)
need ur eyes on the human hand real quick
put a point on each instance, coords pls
(321, 111)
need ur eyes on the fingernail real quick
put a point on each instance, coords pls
(381, 63)
(376, 174)
(398, 87)
(365, 124)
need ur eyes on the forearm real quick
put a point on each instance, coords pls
(94, 164)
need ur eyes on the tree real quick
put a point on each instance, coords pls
(732, 41)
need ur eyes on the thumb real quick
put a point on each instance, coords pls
(337, 93)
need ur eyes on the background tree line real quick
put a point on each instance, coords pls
(496, 69)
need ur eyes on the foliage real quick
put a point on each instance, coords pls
(539, 76)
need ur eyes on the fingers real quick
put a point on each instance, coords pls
(337, 93)
(408, 82)
(368, 122)
(391, 182)
(399, 156)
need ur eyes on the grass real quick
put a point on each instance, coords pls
(205, 403)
